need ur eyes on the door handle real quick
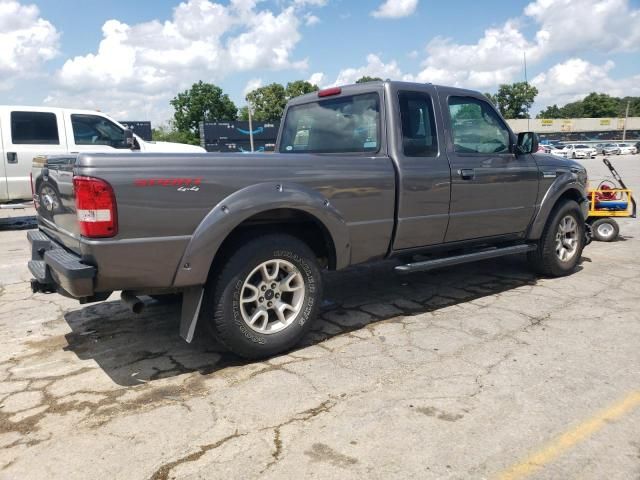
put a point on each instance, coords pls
(467, 173)
(12, 157)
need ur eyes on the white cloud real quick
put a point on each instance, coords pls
(564, 26)
(575, 78)
(252, 85)
(203, 41)
(375, 67)
(395, 9)
(26, 41)
(310, 19)
(496, 58)
(318, 79)
(603, 25)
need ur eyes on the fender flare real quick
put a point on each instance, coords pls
(562, 184)
(245, 203)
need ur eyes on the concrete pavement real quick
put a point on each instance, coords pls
(478, 371)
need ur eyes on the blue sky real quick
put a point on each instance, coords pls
(129, 58)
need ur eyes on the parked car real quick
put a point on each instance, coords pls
(626, 149)
(579, 151)
(558, 152)
(360, 173)
(26, 132)
(608, 149)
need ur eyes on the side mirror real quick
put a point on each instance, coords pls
(527, 143)
(129, 139)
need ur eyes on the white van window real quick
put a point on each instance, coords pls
(34, 128)
(96, 130)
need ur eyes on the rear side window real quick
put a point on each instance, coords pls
(349, 124)
(418, 125)
(96, 130)
(34, 128)
(476, 127)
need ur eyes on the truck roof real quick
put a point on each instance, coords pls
(36, 108)
(356, 88)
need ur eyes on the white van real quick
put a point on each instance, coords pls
(26, 132)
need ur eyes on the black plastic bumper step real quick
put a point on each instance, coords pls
(39, 271)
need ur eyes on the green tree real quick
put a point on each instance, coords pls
(243, 113)
(202, 102)
(550, 112)
(367, 78)
(269, 101)
(299, 87)
(515, 100)
(168, 133)
(596, 105)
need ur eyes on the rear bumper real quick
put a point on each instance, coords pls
(57, 269)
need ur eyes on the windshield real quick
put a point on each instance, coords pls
(347, 124)
(581, 146)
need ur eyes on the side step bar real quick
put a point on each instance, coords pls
(465, 258)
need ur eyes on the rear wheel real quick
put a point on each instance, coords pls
(561, 243)
(605, 229)
(265, 297)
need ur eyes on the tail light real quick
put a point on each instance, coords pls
(328, 92)
(96, 207)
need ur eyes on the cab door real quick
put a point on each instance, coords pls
(493, 191)
(28, 133)
(424, 175)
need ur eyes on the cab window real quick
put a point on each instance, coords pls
(349, 124)
(96, 130)
(476, 127)
(418, 125)
(34, 128)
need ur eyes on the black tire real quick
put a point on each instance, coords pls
(573, 155)
(605, 229)
(222, 307)
(545, 260)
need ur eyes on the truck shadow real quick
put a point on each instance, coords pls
(18, 223)
(134, 349)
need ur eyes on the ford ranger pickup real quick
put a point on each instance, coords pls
(360, 173)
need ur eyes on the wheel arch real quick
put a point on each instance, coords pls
(265, 207)
(557, 193)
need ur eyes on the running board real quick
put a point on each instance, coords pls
(466, 258)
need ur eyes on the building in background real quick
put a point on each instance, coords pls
(234, 136)
(142, 129)
(580, 129)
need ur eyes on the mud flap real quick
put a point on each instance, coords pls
(191, 303)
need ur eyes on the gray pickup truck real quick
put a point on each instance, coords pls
(360, 173)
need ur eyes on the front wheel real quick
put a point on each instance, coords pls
(562, 241)
(605, 229)
(265, 297)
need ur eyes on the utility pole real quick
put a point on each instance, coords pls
(250, 125)
(624, 127)
(526, 83)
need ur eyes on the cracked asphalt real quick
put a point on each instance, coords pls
(454, 374)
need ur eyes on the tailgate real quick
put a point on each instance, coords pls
(52, 181)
